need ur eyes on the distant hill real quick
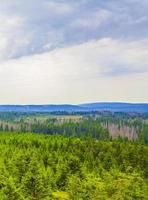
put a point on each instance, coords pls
(114, 107)
(41, 108)
(117, 107)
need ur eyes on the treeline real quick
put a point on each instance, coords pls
(90, 127)
(143, 136)
(93, 124)
(52, 126)
(36, 167)
(84, 128)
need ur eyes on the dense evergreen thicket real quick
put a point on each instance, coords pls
(36, 167)
(84, 128)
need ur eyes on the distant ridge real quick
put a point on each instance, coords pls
(113, 107)
(117, 107)
(40, 108)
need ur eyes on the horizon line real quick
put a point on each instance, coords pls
(74, 104)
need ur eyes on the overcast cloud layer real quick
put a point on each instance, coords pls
(67, 51)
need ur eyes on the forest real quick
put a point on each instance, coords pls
(39, 166)
(98, 125)
(73, 156)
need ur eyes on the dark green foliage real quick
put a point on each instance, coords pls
(85, 128)
(143, 137)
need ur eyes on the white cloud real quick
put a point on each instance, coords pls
(30, 27)
(12, 38)
(95, 71)
(91, 20)
(59, 8)
(111, 65)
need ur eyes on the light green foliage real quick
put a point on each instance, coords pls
(43, 167)
(60, 195)
(112, 186)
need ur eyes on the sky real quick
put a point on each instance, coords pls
(73, 51)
